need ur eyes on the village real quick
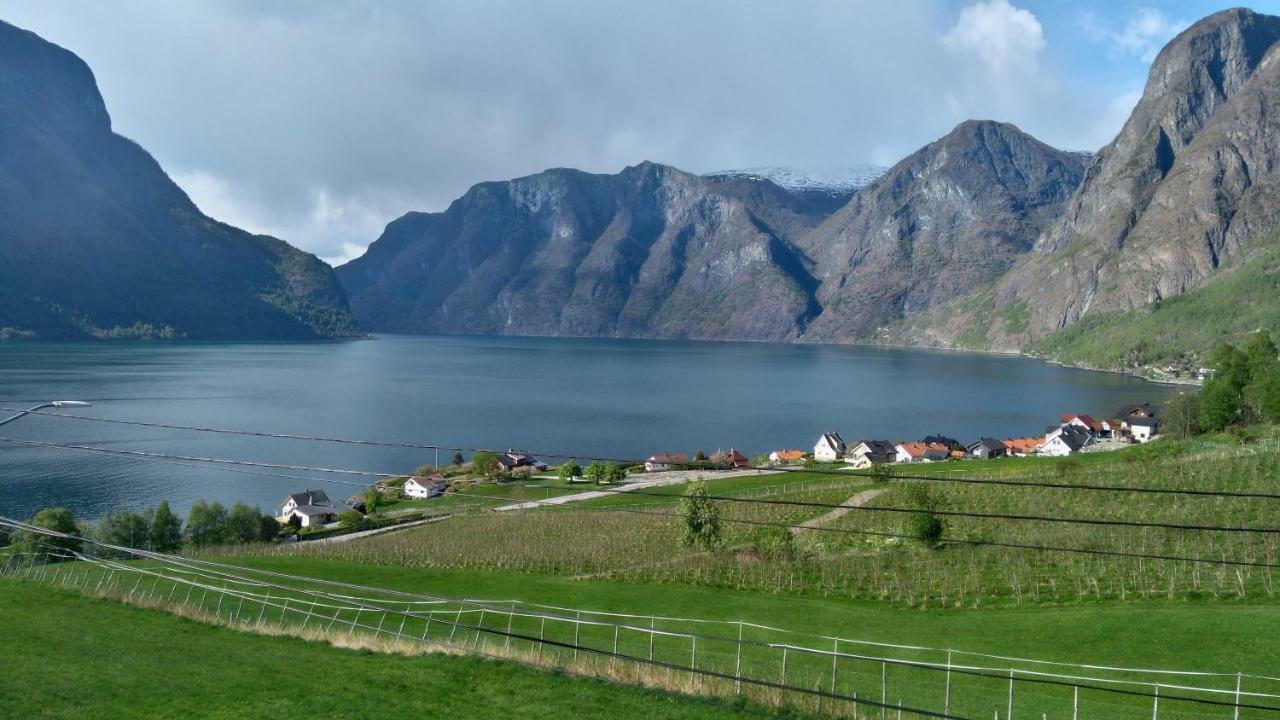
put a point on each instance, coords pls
(1073, 433)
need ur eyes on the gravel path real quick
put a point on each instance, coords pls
(651, 480)
(857, 500)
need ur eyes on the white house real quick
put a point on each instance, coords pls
(920, 452)
(871, 452)
(829, 448)
(312, 507)
(1141, 428)
(783, 457)
(661, 463)
(425, 487)
(1067, 439)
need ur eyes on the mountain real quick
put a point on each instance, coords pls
(657, 252)
(1188, 192)
(649, 252)
(97, 241)
(839, 181)
(947, 220)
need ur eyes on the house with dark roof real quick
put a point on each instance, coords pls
(1066, 439)
(871, 452)
(949, 443)
(433, 485)
(512, 460)
(829, 448)
(988, 448)
(310, 507)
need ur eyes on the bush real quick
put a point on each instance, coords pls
(775, 543)
(924, 525)
(351, 519)
(701, 518)
(569, 471)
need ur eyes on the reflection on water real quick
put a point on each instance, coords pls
(614, 398)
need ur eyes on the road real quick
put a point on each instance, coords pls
(651, 480)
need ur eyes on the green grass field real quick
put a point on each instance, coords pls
(64, 655)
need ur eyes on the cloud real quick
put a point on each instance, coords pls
(1007, 39)
(1141, 35)
(321, 122)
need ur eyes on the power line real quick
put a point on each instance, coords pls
(689, 465)
(879, 533)
(949, 513)
(182, 562)
(727, 498)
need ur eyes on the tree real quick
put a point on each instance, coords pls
(761, 460)
(924, 525)
(372, 500)
(1182, 416)
(458, 459)
(59, 520)
(166, 529)
(597, 473)
(485, 463)
(1269, 396)
(1260, 359)
(700, 457)
(206, 524)
(125, 528)
(244, 525)
(701, 517)
(1222, 398)
(351, 519)
(720, 459)
(1220, 402)
(569, 471)
(614, 474)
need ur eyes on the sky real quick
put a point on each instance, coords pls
(319, 122)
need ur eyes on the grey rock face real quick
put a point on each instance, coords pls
(942, 223)
(1190, 180)
(96, 238)
(649, 252)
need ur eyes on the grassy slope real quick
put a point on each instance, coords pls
(1226, 309)
(1194, 635)
(95, 658)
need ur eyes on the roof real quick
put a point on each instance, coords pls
(789, 454)
(988, 443)
(669, 459)
(949, 442)
(1142, 420)
(431, 479)
(1073, 436)
(314, 498)
(1146, 409)
(310, 510)
(879, 447)
(1086, 419)
(930, 451)
(833, 440)
(1024, 445)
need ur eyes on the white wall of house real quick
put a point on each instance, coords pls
(903, 456)
(824, 452)
(1142, 433)
(414, 490)
(1054, 447)
(652, 466)
(859, 462)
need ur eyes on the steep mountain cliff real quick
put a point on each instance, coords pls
(97, 241)
(648, 252)
(656, 252)
(941, 224)
(1191, 181)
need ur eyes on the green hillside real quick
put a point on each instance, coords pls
(1239, 301)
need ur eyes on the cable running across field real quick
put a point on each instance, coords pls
(353, 604)
(727, 498)
(688, 466)
(767, 684)
(877, 533)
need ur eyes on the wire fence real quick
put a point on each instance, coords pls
(774, 667)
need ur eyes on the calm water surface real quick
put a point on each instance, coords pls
(614, 398)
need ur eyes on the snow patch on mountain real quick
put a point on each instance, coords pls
(830, 179)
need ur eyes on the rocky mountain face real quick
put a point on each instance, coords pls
(1192, 179)
(649, 252)
(656, 252)
(96, 241)
(944, 222)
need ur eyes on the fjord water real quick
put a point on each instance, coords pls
(613, 398)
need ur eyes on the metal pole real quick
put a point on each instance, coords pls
(1155, 703)
(835, 657)
(651, 626)
(946, 703)
(1237, 711)
(1010, 717)
(693, 653)
(737, 667)
(884, 688)
(1075, 704)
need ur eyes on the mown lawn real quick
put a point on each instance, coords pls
(63, 655)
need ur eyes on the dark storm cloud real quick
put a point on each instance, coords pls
(320, 122)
